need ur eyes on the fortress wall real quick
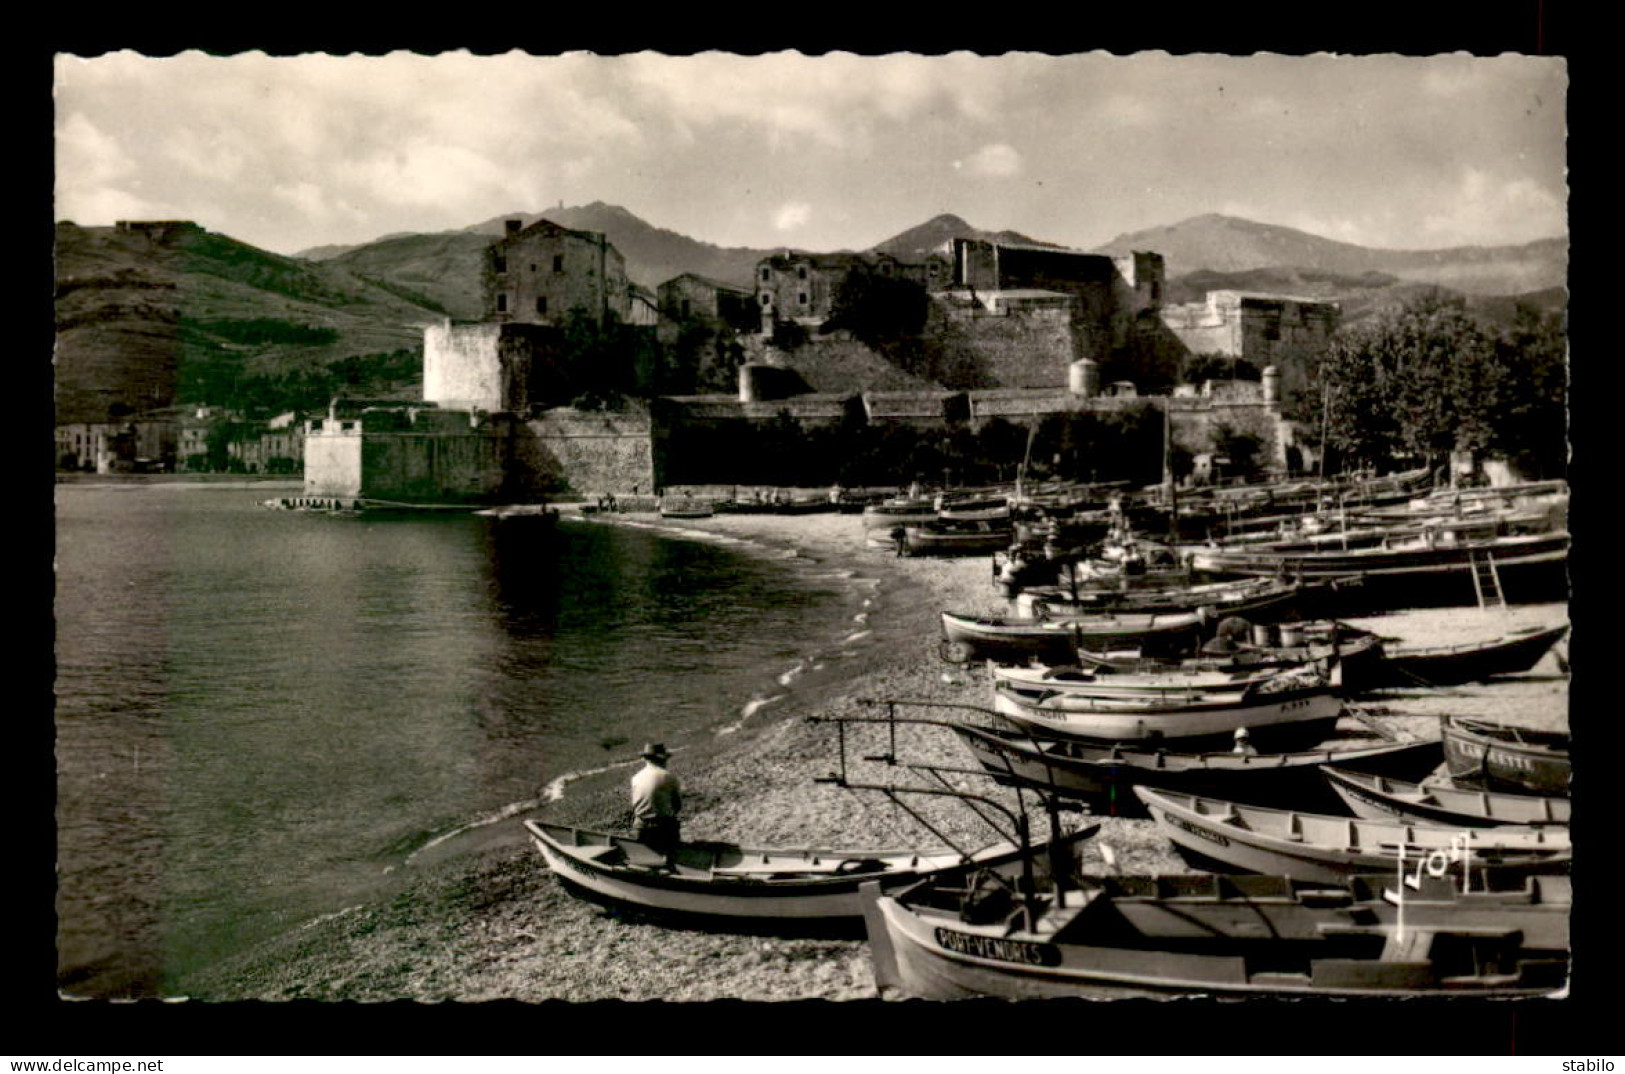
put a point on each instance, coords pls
(461, 366)
(588, 454)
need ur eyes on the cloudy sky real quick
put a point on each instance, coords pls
(821, 153)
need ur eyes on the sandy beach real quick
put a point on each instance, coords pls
(481, 918)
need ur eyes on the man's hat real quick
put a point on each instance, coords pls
(655, 751)
(1241, 732)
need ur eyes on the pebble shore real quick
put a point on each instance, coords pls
(491, 923)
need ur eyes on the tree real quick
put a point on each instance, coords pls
(1531, 359)
(878, 309)
(1239, 446)
(1430, 378)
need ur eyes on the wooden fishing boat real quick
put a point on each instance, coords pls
(1380, 797)
(686, 509)
(971, 636)
(1293, 705)
(1230, 935)
(1104, 775)
(1504, 757)
(1171, 684)
(1399, 555)
(1088, 598)
(1447, 665)
(538, 513)
(973, 509)
(956, 538)
(1353, 651)
(899, 512)
(721, 880)
(1311, 846)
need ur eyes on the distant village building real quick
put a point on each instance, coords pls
(803, 288)
(694, 297)
(539, 274)
(140, 444)
(642, 307)
(276, 446)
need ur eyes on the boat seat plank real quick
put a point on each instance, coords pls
(638, 854)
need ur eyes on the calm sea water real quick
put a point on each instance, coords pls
(261, 713)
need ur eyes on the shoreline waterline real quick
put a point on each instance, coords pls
(493, 923)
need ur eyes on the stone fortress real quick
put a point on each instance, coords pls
(1035, 325)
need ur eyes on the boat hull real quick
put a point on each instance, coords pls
(1478, 753)
(1310, 712)
(1106, 777)
(1309, 847)
(811, 887)
(1529, 568)
(1510, 654)
(1383, 798)
(1057, 638)
(1343, 951)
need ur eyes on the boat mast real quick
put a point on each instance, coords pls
(1027, 456)
(1168, 469)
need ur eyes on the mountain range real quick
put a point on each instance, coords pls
(144, 323)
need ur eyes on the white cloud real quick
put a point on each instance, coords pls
(838, 100)
(1518, 210)
(307, 197)
(998, 161)
(792, 215)
(88, 154)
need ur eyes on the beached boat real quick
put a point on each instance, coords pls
(1295, 705)
(1380, 796)
(973, 509)
(1353, 651)
(1309, 846)
(538, 513)
(721, 880)
(1230, 935)
(1087, 598)
(971, 636)
(1447, 665)
(1104, 775)
(1393, 556)
(1505, 757)
(1167, 685)
(686, 508)
(903, 511)
(956, 538)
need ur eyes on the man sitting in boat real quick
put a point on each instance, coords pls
(656, 800)
(1244, 742)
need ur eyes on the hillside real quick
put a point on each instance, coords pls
(440, 272)
(929, 238)
(148, 322)
(1229, 244)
